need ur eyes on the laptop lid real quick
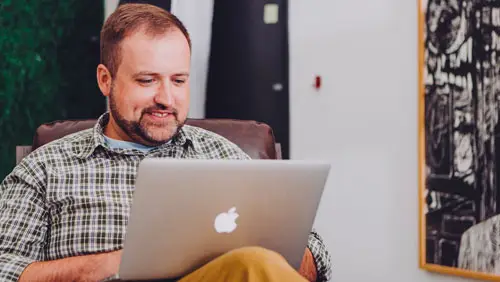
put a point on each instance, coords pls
(187, 212)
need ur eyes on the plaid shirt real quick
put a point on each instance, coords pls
(72, 196)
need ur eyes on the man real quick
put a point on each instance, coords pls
(64, 208)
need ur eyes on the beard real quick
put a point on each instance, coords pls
(143, 131)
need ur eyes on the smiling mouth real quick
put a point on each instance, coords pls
(160, 115)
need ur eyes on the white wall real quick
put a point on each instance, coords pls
(196, 16)
(109, 7)
(363, 120)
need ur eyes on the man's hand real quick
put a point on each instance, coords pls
(308, 266)
(82, 268)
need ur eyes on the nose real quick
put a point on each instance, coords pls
(164, 96)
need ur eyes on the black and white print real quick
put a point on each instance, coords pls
(461, 74)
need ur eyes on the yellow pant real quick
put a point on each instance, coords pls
(246, 264)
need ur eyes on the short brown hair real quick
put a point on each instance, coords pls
(128, 18)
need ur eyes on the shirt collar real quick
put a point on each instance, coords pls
(181, 138)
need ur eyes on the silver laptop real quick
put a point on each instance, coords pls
(186, 213)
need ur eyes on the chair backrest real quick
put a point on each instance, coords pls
(255, 138)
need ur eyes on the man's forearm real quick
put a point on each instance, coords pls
(82, 268)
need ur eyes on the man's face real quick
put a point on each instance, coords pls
(149, 95)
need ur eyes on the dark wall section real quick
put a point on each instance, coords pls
(248, 67)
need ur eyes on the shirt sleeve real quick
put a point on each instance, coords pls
(321, 256)
(22, 220)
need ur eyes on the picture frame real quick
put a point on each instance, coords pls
(459, 137)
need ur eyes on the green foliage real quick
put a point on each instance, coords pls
(49, 51)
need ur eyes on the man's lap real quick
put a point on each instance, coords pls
(244, 264)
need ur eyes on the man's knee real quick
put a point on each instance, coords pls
(254, 256)
(247, 264)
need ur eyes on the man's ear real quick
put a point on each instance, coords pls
(104, 79)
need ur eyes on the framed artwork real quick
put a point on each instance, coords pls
(459, 137)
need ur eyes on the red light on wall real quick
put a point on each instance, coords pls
(317, 82)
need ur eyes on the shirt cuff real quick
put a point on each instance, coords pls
(12, 266)
(321, 256)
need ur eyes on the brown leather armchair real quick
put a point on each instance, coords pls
(255, 138)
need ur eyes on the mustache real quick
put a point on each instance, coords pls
(152, 109)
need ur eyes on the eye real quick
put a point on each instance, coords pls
(179, 81)
(145, 81)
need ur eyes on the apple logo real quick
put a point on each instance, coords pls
(226, 222)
